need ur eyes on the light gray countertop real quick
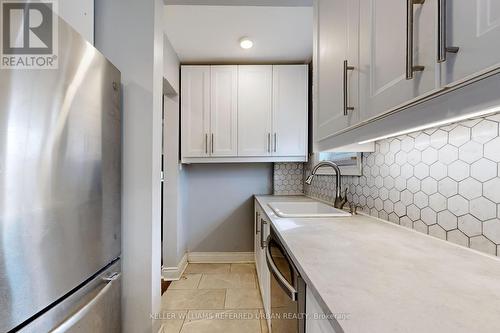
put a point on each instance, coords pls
(388, 278)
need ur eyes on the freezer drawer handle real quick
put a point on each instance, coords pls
(287, 287)
(71, 321)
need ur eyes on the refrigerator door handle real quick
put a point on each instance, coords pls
(71, 321)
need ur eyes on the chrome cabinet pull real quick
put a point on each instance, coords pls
(410, 67)
(257, 215)
(206, 143)
(442, 49)
(212, 142)
(268, 142)
(347, 108)
(262, 242)
(275, 141)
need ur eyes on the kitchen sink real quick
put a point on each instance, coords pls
(306, 209)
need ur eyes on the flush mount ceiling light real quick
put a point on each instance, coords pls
(246, 43)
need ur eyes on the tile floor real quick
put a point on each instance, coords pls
(214, 298)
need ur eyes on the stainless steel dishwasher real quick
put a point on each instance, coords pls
(288, 289)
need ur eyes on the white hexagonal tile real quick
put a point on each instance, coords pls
(407, 144)
(469, 225)
(492, 151)
(379, 181)
(438, 170)
(470, 152)
(388, 182)
(422, 141)
(448, 154)
(429, 156)
(414, 157)
(400, 183)
(393, 218)
(439, 139)
(470, 188)
(383, 146)
(420, 227)
(485, 131)
(447, 220)
(383, 215)
(491, 229)
(394, 195)
(436, 231)
(429, 185)
(370, 160)
(379, 159)
(400, 209)
(483, 208)
(457, 237)
(459, 135)
(389, 158)
(483, 170)
(413, 212)
(458, 170)
(437, 202)
(448, 187)
(407, 171)
(394, 170)
(413, 184)
(492, 190)
(421, 171)
(370, 202)
(395, 146)
(428, 216)
(458, 205)
(406, 197)
(383, 193)
(401, 158)
(405, 221)
(379, 204)
(388, 206)
(420, 199)
(483, 244)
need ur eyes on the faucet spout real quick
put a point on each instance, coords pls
(339, 200)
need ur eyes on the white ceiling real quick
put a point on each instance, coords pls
(210, 34)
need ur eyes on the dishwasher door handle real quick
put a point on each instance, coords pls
(284, 284)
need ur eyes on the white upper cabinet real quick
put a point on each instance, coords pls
(473, 27)
(195, 110)
(255, 110)
(396, 66)
(336, 67)
(290, 100)
(224, 111)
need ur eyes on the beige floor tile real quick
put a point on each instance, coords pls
(187, 281)
(243, 299)
(208, 268)
(229, 321)
(227, 281)
(172, 321)
(193, 299)
(243, 268)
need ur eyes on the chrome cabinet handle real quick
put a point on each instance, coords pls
(442, 49)
(347, 108)
(212, 142)
(275, 141)
(257, 215)
(284, 284)
(262, 242)
(268, 142)
(410, 67)
(206, 143)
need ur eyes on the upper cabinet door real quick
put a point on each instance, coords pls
(290, 92)
(336, 65)
(473, 27)
(384, 53)
(224, 111)
(254, 110)
(195, 110)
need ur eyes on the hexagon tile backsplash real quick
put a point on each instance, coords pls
(444, 182)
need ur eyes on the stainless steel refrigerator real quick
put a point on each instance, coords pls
(60, 185)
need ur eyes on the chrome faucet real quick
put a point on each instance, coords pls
(339, 200)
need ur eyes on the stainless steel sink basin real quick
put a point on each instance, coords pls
(306, 209)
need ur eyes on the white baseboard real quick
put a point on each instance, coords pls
(175, 273)
(220, 257)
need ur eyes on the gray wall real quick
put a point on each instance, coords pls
(129, 34)
(218, 205)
